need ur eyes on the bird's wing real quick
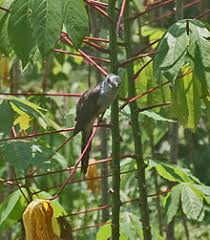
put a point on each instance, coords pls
(87, 109)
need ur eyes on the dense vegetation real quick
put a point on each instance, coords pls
(149, 172)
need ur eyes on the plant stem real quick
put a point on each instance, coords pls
(115, 130)
(136, 133)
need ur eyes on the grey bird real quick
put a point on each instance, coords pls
(91, 104)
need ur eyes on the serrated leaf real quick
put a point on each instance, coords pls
(156, 116)
(75, 20)
(172, 202)
(6, 117)
(19, 29)
(46, 22)
(192, 204)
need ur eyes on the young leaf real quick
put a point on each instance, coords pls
(192, 203)
(19, 29)
(75, 20)
(173, 201)
(46, 22)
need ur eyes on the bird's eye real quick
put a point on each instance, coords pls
(108, 80)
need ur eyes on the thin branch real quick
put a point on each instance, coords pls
(72, 174)
(79, 55)
(66, 40)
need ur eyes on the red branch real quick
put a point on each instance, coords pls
(143, 94)
(73, 172)
(98, 8)
(121, 15)
(65, 39)
(69, 169)
(101, 4)
(150, 9)
(79, 55)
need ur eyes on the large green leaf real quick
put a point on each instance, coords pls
(75, 20)
(185, 41)
(172, 51)
(172, 202)
(199, 52)
(6, 117)
(192, 203)
(46, 24)
(24, 154)
(19, 29)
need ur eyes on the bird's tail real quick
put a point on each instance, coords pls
(85, 160)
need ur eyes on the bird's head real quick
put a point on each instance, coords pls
(112, 81)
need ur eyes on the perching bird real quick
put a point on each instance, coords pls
(91, 104)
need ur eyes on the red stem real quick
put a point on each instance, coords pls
(65, 39)
(79, 55)
(73, 172)
(121, 15)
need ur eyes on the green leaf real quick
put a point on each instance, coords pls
(156, 116)
(6, 117)
(179, 102)
(172, 202)
(172, 173)
(76, 20)
(192, 203)
(8, 206)
(172, 51)
(24, 154)
(191, 85)
(19, 29)
(104, 232)
(46, 22)
(4, 40)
